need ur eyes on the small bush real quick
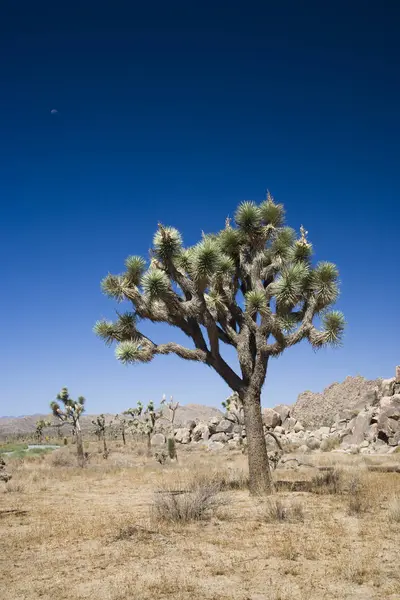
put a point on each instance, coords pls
(59, 458)
(328, 482)
(357, 498)
(274, 510)
(181, 506)
(394, 509)
(330, 444)
(14, 487)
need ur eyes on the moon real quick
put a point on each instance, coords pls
(53, 111)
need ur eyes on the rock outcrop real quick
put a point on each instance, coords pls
(368, 423)
(317, 409)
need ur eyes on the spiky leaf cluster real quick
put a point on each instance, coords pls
(66, 409)
(251, 285)
(143, 418)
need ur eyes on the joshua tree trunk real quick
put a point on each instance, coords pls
(259, 470)
(105, 451)
(149, 444)
(79, 445)
(123, 437)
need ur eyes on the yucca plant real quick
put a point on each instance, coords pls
(143, 420)
(41, 424)
(121, 423)
(70, 413)
(251, 286)
(100, 431)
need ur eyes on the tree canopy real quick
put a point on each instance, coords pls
(252, 286)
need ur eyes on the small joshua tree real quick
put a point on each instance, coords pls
(251, 286)
(40, 425)
(144, 419)
(121, 424)
(70, 413)
(100, 430)
(170, 416)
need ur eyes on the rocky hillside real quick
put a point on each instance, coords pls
(26, 424)
(319, 409)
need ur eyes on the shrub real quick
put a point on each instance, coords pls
(59, 458)
(14, 487)
(274, 510)
(182, 506)
(328, 482)
(394, 509)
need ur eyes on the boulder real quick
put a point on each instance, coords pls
(215, 445)
(283, 410)
(369, 398)
(200, 432)
(372, 432)
(279, 429)
(322, 433)
(304, 448)
(390, 401)
(270, 417)
(298, 427)
(182, 435)
(190, 425)
(397, 378)
(158, 439)
(213, 424)
(219, 437)
(312, 443)
(361, 426)
(387, 386)
(224, 426)
(289, 423)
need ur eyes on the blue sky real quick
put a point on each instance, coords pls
(176, 113)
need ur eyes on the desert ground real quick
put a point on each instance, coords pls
(129, 527)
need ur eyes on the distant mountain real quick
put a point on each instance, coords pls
(27, 423)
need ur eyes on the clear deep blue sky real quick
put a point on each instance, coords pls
(176, 113)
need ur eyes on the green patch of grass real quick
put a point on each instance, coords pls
(12, 447)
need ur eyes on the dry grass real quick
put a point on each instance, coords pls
(275, 510)
(98, 523)
(394, 510)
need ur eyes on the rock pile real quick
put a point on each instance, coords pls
(320, 409)
(371, 425)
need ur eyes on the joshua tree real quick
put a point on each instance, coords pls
(121, 424)
(71, 412)
(251, 286)
(40, 425)
(172, 408)
(144, 420)
(100, 431)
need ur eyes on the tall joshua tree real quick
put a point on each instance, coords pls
(70, 413)
(251, 286)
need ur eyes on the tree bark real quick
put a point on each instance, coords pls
(123, 437)
(105, 450)
(260, 480)
(79, 445)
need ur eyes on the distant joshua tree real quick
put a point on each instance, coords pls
(121, 424)
(251, 286)
(40, 425)
(100, 430)
(143, 420)
(70, 413)
(170, 416)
